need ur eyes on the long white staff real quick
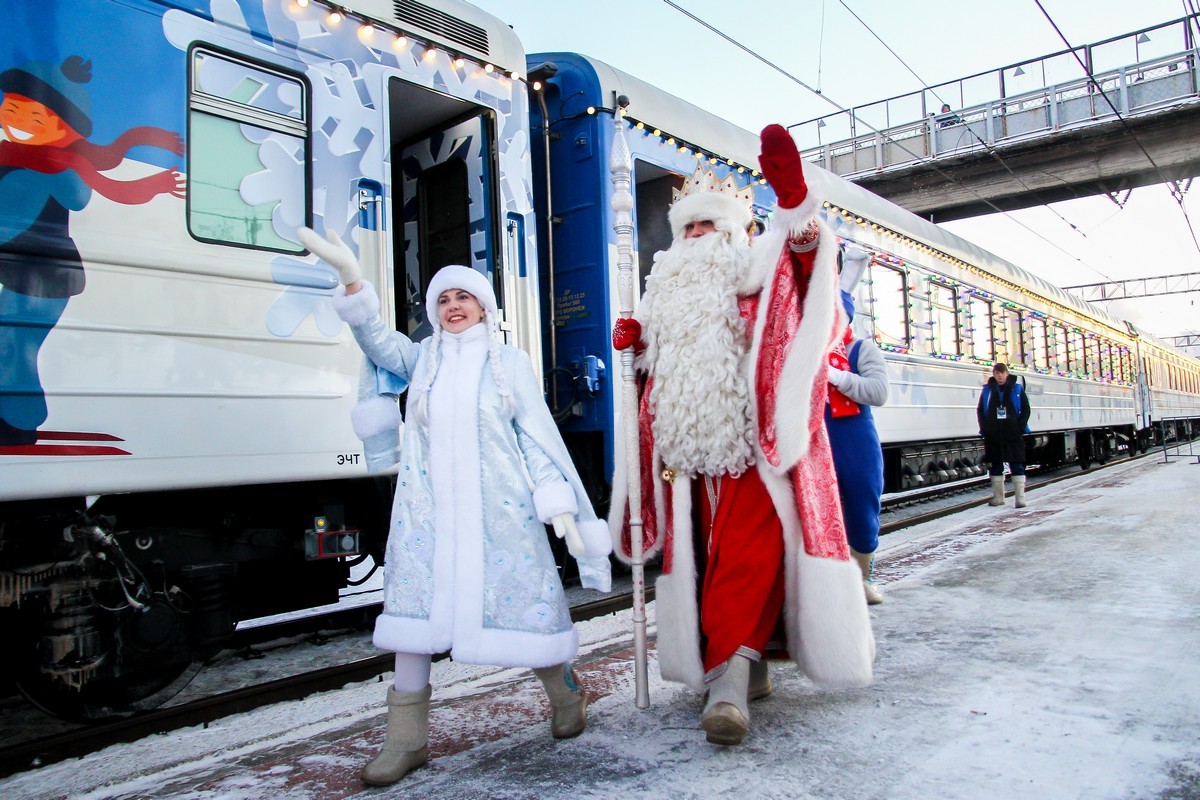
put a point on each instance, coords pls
(621, 167)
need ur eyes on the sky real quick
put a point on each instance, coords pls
(825, 44)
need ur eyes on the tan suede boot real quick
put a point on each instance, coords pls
(406, 745)
(726, 717)
(866, 565)
(566, 698)
(997, 491)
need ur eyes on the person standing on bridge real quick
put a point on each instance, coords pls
(1003, 413)
(739, 492)
(482, 470)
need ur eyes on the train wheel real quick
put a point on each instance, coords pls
(108, 699)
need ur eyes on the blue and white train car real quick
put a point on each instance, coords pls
(175, 388)
(943, 310)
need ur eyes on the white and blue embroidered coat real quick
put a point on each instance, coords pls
(468, 566)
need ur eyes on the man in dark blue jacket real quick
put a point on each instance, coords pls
(1003, 416)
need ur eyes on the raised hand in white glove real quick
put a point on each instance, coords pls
(838, 377)
(564, 528)
(336, 254)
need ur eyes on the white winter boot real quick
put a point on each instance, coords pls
(760, 681)
(726, 717)
(1019, 490)
(406, 746)
(866, 564)
(997, 491)
(566, 698)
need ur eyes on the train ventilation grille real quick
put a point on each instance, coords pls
(441, 23)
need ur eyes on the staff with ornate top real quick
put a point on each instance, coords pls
(621, 167)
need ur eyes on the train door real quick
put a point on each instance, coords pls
(442, 183)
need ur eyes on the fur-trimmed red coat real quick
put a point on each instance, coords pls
(792, 298)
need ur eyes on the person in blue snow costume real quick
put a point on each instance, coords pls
(858, 379)
(468, 566)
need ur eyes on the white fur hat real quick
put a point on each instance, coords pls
(458, 277)
(726, 212)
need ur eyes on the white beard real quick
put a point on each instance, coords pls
(696, 346)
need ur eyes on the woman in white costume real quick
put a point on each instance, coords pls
(482, 470)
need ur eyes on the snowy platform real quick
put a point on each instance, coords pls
(1051, 652)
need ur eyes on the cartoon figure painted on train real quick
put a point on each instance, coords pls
(48, 169)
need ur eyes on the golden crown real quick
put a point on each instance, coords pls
(705, 180)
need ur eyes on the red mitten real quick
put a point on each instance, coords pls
(627, 332)
(781, 166)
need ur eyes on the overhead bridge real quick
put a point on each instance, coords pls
(1133, 125)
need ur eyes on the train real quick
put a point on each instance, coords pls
(176, 454)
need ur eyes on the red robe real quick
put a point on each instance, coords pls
(794, 303)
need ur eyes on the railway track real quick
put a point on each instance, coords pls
(900, 511)
(87, 738)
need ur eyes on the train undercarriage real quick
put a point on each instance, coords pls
(113, 608)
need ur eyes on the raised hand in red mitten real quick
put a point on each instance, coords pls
(627, 332)
(781, 166)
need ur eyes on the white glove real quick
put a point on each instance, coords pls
(333, 252)
(838, 377)
(854, 264)
(564, 528)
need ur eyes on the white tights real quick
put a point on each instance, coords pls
(412, 671)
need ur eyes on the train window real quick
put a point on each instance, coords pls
(248, 135)
(1059, 357)
(1106, 364)
(1014, 338)
(943, 318)
(1041, 351)
(1078, 361)
(979, 326)
(889, 305)
(1091, 347)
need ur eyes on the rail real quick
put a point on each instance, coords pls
(1188, 432)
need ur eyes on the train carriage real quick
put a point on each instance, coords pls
(942, 309)
(176, 391)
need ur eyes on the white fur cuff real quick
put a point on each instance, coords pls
(554, 498)
(795, 220)
(596, 539)
(357, 308)
(377, 415)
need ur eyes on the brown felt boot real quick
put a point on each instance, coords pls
(405, 747)
(566, 698)
(1019, 490)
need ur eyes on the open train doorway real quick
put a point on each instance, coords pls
(443, 185)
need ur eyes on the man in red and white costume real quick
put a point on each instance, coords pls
(739, 491)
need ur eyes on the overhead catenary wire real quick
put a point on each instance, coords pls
(989, 149)
(1175, 192)
(772, 65)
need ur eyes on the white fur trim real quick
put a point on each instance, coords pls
(596, 539)
(374, 416)
(358, 308)
(828, 627)
(553, 499)
(806, 358)
(459, 277)
(492, 647)
(725, 212)
(678, 618)
(795, 220)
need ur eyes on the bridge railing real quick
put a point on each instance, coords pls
(1136, 89)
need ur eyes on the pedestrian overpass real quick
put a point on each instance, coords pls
(1048, 137)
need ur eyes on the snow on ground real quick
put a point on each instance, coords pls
(1052, 652)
